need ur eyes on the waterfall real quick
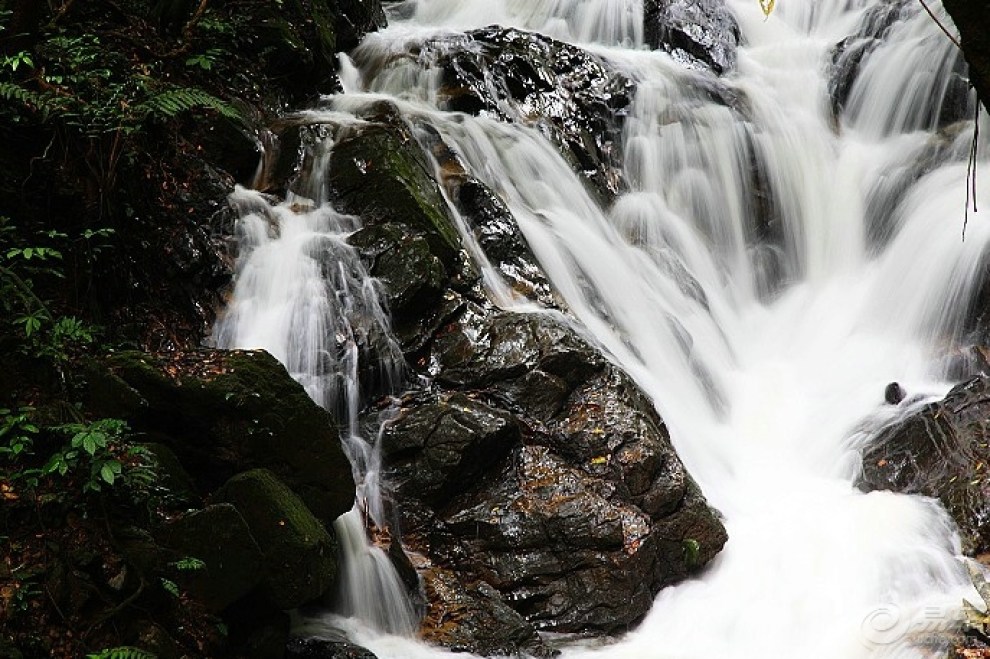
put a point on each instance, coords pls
(781, 382)
(303, 293)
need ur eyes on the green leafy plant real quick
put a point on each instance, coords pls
(170, 587)
(100, 454)
(188, 564)
(17, 592)
(17, 432)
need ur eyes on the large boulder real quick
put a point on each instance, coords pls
(223, 412)
(548, 476)
(694, 32)
(941, 450)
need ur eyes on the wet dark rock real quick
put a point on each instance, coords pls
(972, 19)
(941, 450)
(474, 618)
(489, 219)
(411, 273)
(450, 441)
(383, 155)
(356, 18)
(219, 537)
(894, 393)
(299, 553)
(494, 350)
(325, 648)
(573, 97)
(224, 412)
(576, 513)
(850, 55)
(694, 32)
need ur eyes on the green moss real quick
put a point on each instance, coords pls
(223, 412)
(381, 173)
(300, 554)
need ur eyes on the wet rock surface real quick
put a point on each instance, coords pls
(573, 97)
(941, 450)
(972, 19)
(694, 32)
(538, 488)
(325, 648)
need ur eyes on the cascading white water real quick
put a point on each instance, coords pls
(303, 294)
(773, 380)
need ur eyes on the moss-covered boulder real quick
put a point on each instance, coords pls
(220, 538)
(224, 412)
(383, 155)
(300, 555)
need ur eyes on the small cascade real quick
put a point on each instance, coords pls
(302, 293)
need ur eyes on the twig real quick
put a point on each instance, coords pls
(61, 12)
(971, 167)
(940, 25)
(187, 31)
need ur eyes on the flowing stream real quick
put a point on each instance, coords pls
(769, 388)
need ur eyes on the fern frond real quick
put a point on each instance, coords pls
(176, 100)
(13, 92)
(122, 652)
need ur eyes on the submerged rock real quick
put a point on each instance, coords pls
(694, 32)
(941, 450)
(325, 648)
(849, 54)
(850, 57)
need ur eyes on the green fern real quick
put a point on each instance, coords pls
(122, 652)
(172, 102)
(10, 91)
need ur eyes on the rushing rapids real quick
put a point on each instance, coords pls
(765, 327)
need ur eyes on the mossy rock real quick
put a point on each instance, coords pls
(300, 561)
(224, 412)
(220, 538)
(378, 171)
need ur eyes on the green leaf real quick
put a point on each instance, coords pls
(107, 473)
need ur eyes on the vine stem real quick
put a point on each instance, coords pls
(940, 25)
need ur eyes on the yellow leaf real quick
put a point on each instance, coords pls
(767, 6)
